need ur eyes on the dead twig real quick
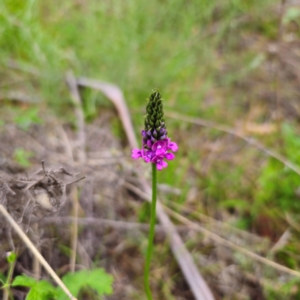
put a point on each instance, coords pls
(114, 94)
(121, 225)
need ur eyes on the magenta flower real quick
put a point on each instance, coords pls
(159, 151)
(136, 153)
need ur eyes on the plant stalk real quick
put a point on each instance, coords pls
(6, 292)
(151, 233)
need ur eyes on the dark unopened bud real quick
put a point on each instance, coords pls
(155, 116)
(149, 110)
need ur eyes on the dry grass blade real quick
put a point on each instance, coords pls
(122, 225)
(217, 226)
(71, 80)
(114, 94)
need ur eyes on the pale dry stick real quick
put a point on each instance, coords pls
(74, 230)
(122, 225)
(36, 264)
(197, 284)
(65, 141)
(282, 242)
(71, 81)
(19, 97)
(216, 238)
(221, 225)
(35, 252)
(228, 130)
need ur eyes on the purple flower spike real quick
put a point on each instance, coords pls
(156, 145)
(136, 153)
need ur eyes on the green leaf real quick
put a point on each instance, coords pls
(96, 279)
(42, 290)
(23, 280)
(39, 290)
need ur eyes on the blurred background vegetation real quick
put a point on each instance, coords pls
(232, 62)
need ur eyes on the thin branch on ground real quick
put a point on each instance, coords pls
(121, 225)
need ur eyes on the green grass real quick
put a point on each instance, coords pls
(139, 45)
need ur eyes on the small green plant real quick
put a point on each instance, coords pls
(27, 117)
(22, 157)
(38, 289)
(97, 280)
(11, 259)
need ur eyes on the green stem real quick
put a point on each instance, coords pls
(151, 234)
(6, 293)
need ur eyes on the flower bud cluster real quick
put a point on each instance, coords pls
(156, 144)
(155, 128)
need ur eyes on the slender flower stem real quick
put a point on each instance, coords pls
(151, 234)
